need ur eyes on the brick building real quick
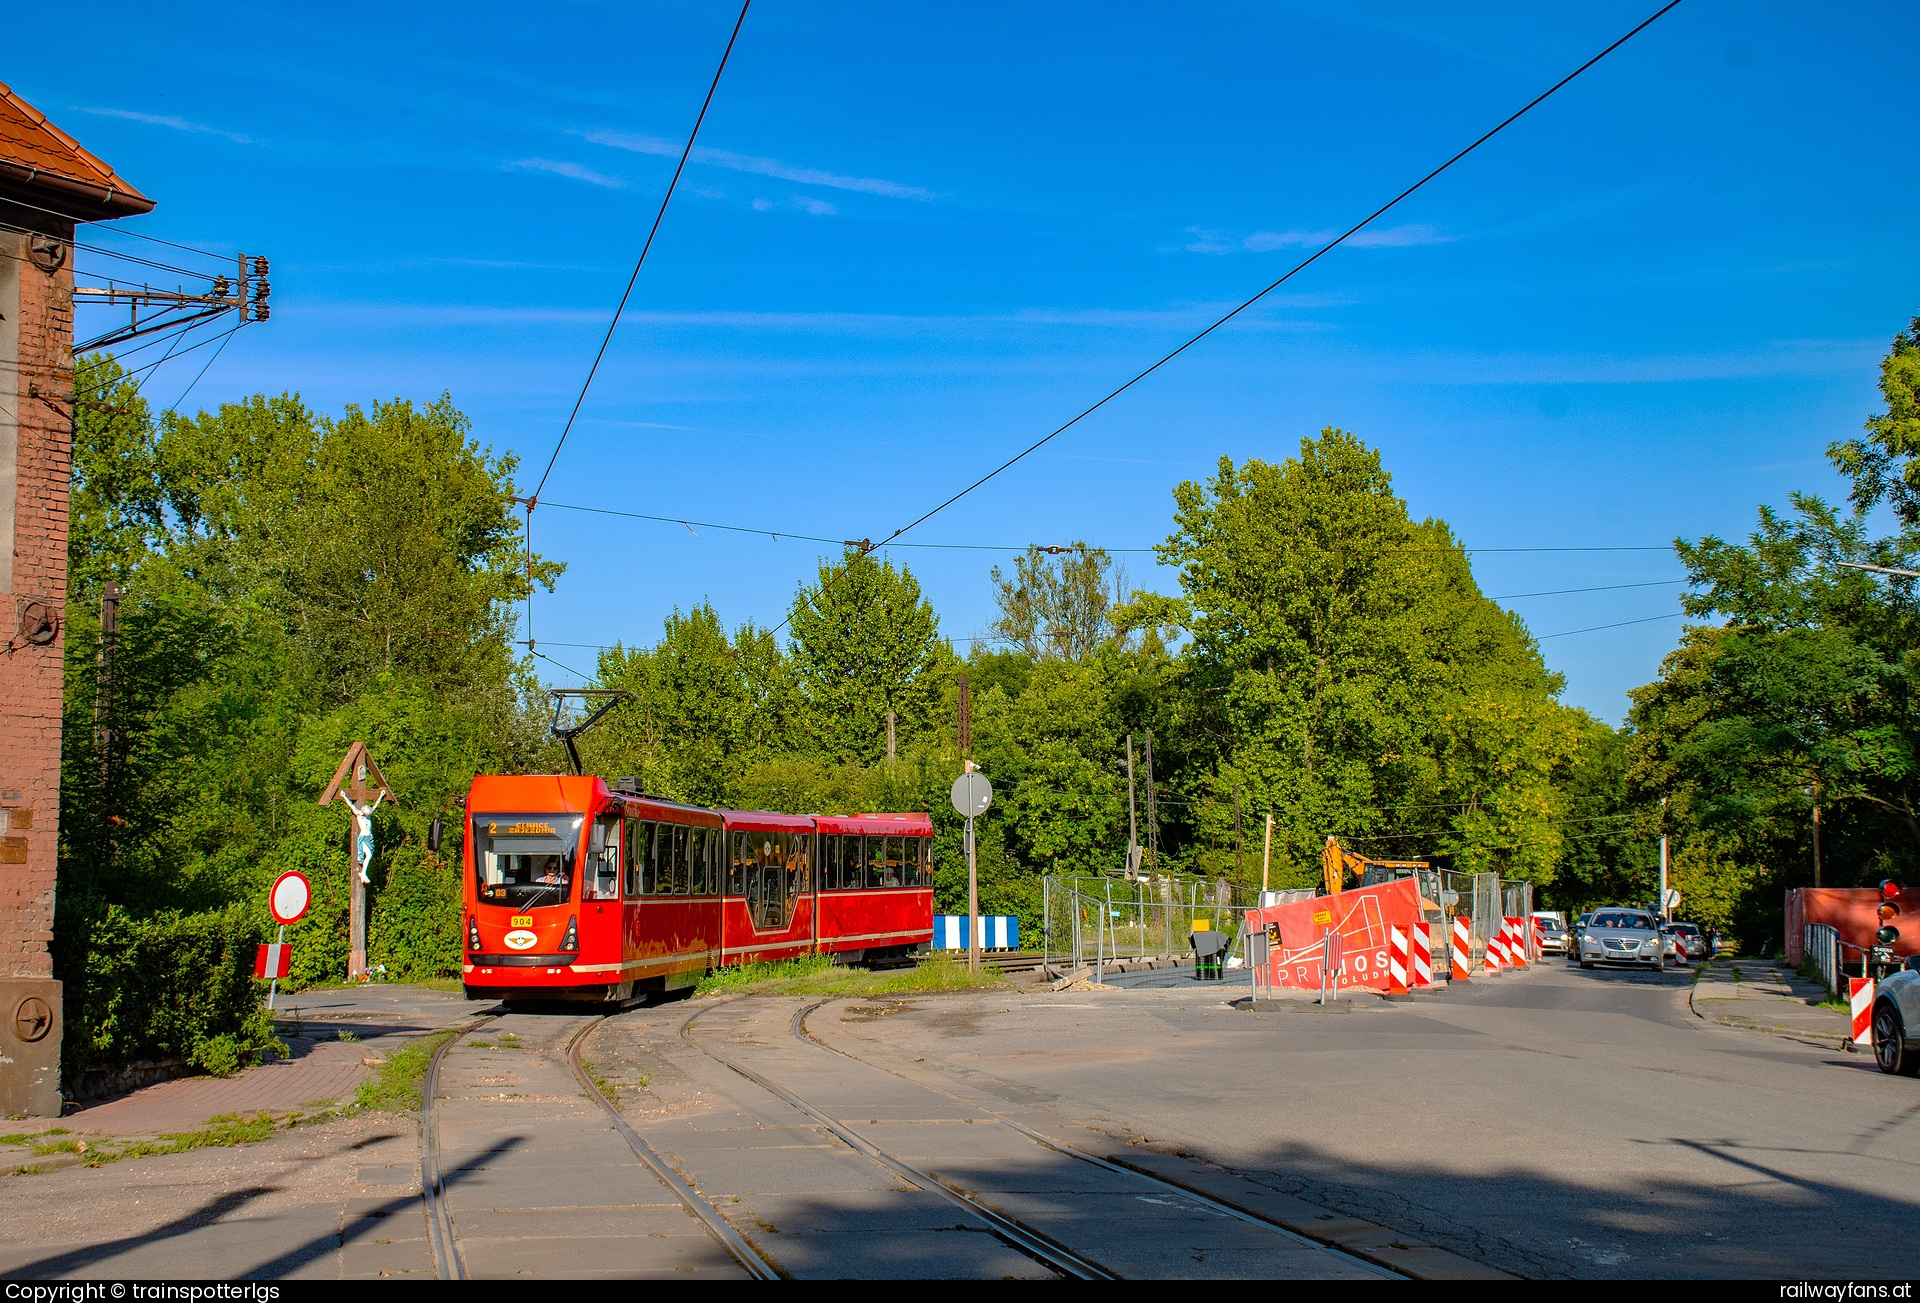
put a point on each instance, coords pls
(48, 184)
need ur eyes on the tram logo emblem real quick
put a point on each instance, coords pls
(521, 940)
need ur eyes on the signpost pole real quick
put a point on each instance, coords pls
(273, 987)
(973, 903)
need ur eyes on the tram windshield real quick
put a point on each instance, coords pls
(525, 860)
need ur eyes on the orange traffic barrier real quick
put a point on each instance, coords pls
(1462, 950)
(1860, 995)
(1421, 974)
(1396, 961)
(1516, 942)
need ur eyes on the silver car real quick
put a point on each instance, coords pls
(1896, 1022)
(1623, 936)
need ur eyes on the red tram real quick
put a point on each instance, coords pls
(578, 891)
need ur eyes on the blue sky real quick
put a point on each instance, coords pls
(917, 238)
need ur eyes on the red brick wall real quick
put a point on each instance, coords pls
(30, 675)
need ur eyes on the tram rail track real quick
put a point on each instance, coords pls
(447, 1261)
(1041, 1248)
(1220, 1206)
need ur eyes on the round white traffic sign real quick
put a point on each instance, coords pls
(289, 898)
(971, 795)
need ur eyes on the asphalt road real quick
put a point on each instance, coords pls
(1557, 1123)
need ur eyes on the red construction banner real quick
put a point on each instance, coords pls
(272, 961)
(1362, 919)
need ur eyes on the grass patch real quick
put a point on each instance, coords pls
(819, 975)
(601, 1082)
(226, 1130)
(395, 1087)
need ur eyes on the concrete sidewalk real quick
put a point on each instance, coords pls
(324, 1069)
(1754, 995)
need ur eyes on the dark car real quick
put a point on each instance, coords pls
(1573, 934)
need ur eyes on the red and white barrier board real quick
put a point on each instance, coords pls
(272, 961)
(1515, 929)
(1422, 972)
(1860, 996)
(1462, 955)
(1362, 919)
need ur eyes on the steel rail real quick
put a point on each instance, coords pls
(750, 1258)
(433, 1183)
(1125, 1169)
(1042, 1249)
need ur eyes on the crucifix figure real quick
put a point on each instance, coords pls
(361, 787)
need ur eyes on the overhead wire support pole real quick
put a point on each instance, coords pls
(1301, 266)
(641, 261)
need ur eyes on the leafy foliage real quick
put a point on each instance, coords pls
(293, 583)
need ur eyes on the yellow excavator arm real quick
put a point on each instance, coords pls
(1336, 864)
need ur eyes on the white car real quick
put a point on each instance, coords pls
(1553, 933)
(1896, 1021)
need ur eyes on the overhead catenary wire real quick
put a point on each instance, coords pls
(640, 262)
(1299, 267)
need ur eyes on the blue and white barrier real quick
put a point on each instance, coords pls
(997, 932)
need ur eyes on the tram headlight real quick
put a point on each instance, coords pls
(572, 941)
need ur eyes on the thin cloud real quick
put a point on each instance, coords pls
(1386, 237)
(726, 158)
(572, 171)
(172, 124)
(813, 207)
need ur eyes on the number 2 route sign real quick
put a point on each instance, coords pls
(289, 898)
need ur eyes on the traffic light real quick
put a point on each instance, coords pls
(1888, 911)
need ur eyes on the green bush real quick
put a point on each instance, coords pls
(166, 986)
(415, 925)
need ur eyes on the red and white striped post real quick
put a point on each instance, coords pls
(1421, 974)
(1516, 943)
(1860, 996)
(1462, 955)
(1496, 957)
(1396, 961)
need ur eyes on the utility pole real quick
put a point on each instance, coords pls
(1662, 906)
(1266, 859)
(1238, 839)
(103, 733)
(1814, 792)
(1133, 827)
(1153, 811)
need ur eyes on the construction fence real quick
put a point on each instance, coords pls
(1092, 920)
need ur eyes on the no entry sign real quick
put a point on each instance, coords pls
(289, 898)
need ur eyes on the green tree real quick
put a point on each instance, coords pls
(1059, 604)
(1346, 673)
(865, 642)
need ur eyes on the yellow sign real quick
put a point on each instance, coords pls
(522, 830)
(1323, 916)
(520, 920)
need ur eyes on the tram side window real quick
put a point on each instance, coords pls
(829, 861)
(639, 833)
(849, 860)
(696, 861)
(805, 842)
(601, 879)
(737, 864)
(890, 863)
(923, 861)
(710, 842)
(662, 860)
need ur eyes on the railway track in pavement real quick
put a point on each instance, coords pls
(516, 1177)
(1074, 1213)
